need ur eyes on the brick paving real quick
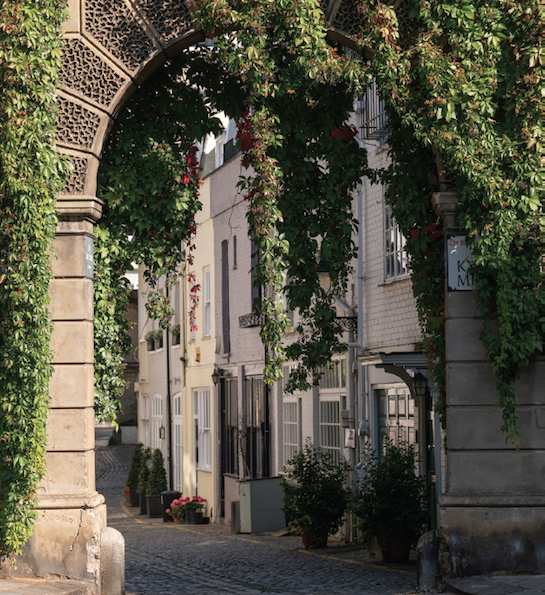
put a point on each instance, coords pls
(167, 559)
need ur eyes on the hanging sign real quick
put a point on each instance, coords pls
(459, 261)
(350, 438)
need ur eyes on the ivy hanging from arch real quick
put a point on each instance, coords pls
(463, 85)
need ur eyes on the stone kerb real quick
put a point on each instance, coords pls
(492, 513)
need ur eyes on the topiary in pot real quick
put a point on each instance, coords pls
(392, 504)
(143, 480)
(157, 483)
(315, 494)
(134, 473)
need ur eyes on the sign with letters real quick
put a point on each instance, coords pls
(459, 261)
(89, 257)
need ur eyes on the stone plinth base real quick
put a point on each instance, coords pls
(489, 539)
(65, 543)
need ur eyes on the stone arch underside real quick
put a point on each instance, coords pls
(111, 48)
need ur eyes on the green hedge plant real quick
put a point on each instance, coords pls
(136, 465)
(392, 500)
(157, 482)
(316, 495)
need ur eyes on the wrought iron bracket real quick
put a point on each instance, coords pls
(348, 323)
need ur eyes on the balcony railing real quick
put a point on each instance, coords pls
(250, 320)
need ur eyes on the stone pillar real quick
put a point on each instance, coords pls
(71, 514)
(492, 514)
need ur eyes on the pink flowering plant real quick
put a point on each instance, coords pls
(179, 505)
(176, 510)
(194, 503)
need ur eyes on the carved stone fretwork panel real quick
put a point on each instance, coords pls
(76, 125)
(118, 29)
(407, 25)
(348, 18)
(84, 72)
(75, 179)
(170, 18)
(323, 5)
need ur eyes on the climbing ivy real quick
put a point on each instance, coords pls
(462, 83)
(466, 79)
(305, 165)
(149, 183)
(30, 177)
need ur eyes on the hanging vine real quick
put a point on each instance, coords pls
(468, 82)
(31, 174)
(305, 165)
(149, 183)
(464, 81)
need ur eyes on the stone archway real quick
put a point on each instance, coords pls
(111, 47)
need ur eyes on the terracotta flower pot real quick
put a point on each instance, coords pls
(127, 494)
(314, 543)
(177, 520)
(398, 549)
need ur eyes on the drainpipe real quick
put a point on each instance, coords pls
(169, 414)
(350, 422)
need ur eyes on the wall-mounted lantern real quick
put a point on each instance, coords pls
(420, 383)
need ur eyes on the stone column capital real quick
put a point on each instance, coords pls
(79, 208)
(446, 206)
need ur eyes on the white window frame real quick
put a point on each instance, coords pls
(291, 430)
(396, 259)
(207, 310)
(330, 429)
(156, 422)
(177, 441)
(203, 416)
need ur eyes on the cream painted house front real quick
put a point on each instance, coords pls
(199, 411)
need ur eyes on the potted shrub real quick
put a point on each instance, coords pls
(194, 509)
(143, 480)
(315, 494)
(392, 506)
(134, 473)
(150, 338)
(155, 339)
(158, 338)
(157, 483)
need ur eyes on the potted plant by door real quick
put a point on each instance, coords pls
(143, 480)
(392, 506)
(176, 510)
(134, 473)
(157, 483)
(194, 509)
(316, 495)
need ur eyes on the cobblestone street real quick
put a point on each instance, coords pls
(167, 559)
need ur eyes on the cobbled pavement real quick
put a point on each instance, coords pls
(167, 559)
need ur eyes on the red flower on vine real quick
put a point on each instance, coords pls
(186, 178)
(414, 232)
(245, 135)
(346, 131)
(433, 232)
